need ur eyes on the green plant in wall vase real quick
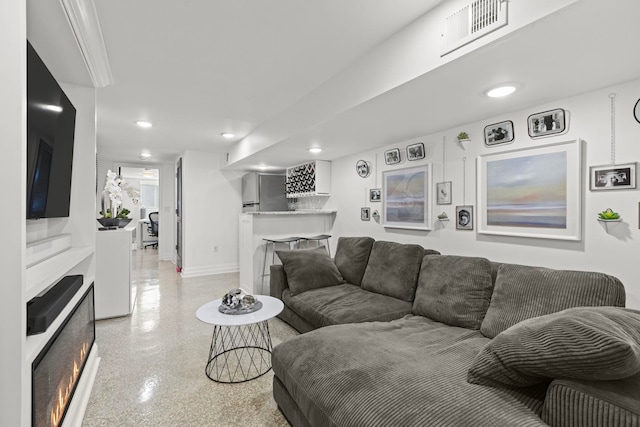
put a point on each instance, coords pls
(463, 139)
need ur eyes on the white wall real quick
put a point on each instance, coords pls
(589, 119)
(13, 397)
(211, 205)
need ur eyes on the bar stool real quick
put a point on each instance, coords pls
(318, 239)
(274, 241)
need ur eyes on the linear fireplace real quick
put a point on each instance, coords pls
(57, 369)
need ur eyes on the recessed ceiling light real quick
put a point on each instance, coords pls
(227, 135)
(501, 91)
(263, 168)
(145, 155)
(143, 124)
(315, 150)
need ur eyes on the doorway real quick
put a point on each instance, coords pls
(142, 199)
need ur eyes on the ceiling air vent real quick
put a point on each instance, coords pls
(478, 18)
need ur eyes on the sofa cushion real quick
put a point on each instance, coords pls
(455, 290)
(309, 269)
(592, 343)
(522, 292)
(407, 372)
(352, 255)
(344, 304)
(393, 269)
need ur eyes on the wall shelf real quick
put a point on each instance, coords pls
(46, 273)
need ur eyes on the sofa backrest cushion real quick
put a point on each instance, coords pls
(393, 269)
(522, 292)
(308, 269)
(589, 343)
(352, 256)
(455, 290)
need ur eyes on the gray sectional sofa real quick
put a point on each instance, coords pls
(394, 335)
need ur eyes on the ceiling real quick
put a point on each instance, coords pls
(198, 68)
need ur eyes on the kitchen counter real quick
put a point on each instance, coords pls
(256, 226)
(298, 212)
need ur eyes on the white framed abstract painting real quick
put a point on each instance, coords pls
(406, 198)
(534, 192)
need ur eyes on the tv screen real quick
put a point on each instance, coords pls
(51, 120)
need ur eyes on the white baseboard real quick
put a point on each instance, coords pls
(206, 271)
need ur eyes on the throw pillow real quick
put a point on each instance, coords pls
(352, 256)
(308, 269)
(593, 343)
(455, 290)
(393, 270)
(522, 292)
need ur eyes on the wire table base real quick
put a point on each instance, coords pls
(239, 353)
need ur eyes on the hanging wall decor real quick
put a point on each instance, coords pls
(636, 111)
(612, 176)
(375, 194)
(365, 214)
(464, 217)
(363, 168)
(406, 199)
(531, 192)
(415, 151)
(547, 123)
(391, 157)
(443, 193)
(498, 133)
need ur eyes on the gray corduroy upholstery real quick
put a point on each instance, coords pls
(522, 292)
(407, 372)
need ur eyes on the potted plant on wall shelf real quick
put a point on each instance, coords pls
(463, 138)
(609, 218)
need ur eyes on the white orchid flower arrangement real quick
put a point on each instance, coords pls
(113, 187)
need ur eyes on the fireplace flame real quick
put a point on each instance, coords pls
(65, 389)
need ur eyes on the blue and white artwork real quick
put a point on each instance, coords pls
(528, 191)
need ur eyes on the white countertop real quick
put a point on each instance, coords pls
(298, 212)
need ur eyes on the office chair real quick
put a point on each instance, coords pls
(153, 228)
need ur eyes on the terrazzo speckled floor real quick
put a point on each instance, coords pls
(152, 368)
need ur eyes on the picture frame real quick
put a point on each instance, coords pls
(375, 195)
(464, 217)
(363, 168)
(547, 123)
(443, 193)
(392, 157)
(406, 200)
(612, 177)
(365, 214)
(545, 201)
(499, 133)
(415, 151)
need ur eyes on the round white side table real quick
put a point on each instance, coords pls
(241, 343)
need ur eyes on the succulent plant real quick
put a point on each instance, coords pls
(608, 215)
(462, 135)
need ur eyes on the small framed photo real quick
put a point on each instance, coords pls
(498, 133)
(391, 157)
(464, 217)
(365, 214)
(375, 194)
(612, 177)
(415, 151)
(547, 123)
(443, 193)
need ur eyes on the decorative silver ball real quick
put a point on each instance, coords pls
(248, 301)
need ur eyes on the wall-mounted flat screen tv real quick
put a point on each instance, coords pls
(51, 120)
